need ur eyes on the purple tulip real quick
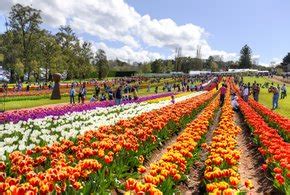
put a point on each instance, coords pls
(24, 115)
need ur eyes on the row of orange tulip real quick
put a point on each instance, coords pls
(275, 150)
(108, 152)
(161, 176)
(221, 171)
(274, 119)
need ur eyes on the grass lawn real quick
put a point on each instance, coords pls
(13, 105)
(266, 97)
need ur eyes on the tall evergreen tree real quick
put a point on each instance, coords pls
(286, 62)
(245, 57)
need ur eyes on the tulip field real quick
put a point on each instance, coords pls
(148, 146)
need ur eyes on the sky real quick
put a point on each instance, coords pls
(144, 30)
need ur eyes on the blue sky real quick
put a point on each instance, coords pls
(141, 30)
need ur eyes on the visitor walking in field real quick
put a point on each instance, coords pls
(283, 91)
(275, 99)
(72, 94)
(246, 93)
(97, 91)
(83, 93)
(223, 94)
(135, 94)
(118, 95)
(256, 91)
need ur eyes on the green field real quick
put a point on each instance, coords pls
(266, 98)
(35, 101)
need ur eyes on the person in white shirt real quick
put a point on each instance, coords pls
(246, 93)
(234, 102)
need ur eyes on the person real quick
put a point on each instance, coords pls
(72, 94)
(80, 94)
(223, 94)
(93, 99)
(118, 95)
(135, 95)
(111, 95)
(234, 102)
(172, 99)
(148, 88)
(256, 91)
(246, 93)
(83, 93)
(156, 89)
(97, 90)
(27, 87)
(275, 99)
(283, 91)
(103, 97)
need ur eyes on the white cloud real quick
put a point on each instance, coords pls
(115, 20)
(126, 53)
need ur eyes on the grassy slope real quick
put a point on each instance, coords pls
(266, 97)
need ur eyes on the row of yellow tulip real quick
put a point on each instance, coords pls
(161, 176)
(221, 167)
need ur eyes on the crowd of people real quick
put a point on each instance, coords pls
(124, 89)
(278, 92)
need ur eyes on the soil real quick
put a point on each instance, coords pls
(251, 161)
(157, 154)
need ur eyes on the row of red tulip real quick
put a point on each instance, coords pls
(272, 146)
(278, 121)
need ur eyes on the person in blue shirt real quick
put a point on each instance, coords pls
(72, 94)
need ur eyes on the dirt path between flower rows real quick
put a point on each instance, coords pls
(251, 161)
(194, 179)
(157, 154)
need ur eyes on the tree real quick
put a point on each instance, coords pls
(68, 42)
(214, 67)
(84, 56)
(245, 57)
(101, 63)
(156, 66)
(50, 55)
(145, 68)
(10, 50)
(24, 22)
(286, 62)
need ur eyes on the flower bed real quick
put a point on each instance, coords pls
(39, 132)
(93, 161)
(272, 146)
(164, 174)
(24, 115)
(274, 119)
(221, 172)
